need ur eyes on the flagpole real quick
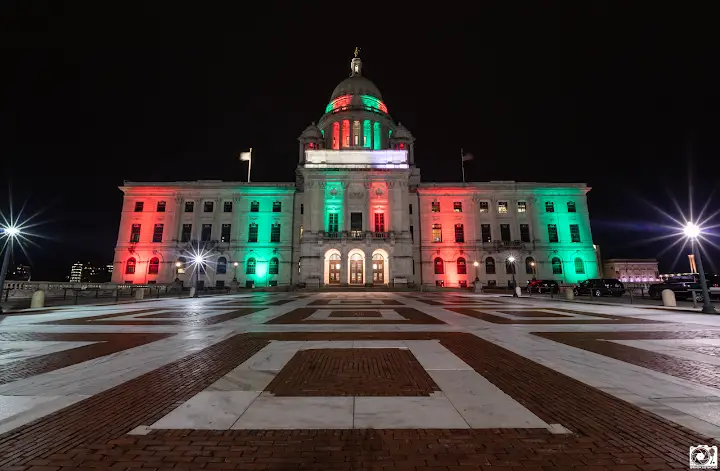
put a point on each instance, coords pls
(462, 164)
(249, 164)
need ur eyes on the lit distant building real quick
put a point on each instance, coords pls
(633, 270)
(76, 272)
(357, 214)
(88, 273)
(20, 273)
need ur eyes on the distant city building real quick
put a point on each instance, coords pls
(82, 272)
(633, 270)
(20, 273)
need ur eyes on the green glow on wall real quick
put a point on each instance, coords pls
(377, 145)
(334, 204)
(373, 103)
(261, 269)
(322, 131)
(367, 129)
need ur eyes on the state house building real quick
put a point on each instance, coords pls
(358, 214)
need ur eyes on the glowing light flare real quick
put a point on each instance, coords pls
(11, 231)
(691, 230)
(511, 259)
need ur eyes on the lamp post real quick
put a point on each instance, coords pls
(511, 259)
(10, 233)
(177, 269)
(235, 264)
(199, 260)
(692, 232)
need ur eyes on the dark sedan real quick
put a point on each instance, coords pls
(600, 287)
(543, 286)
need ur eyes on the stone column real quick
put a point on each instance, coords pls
(368, 266)
(344, 267)
(345, 224)
(366, 206)
(396, 201)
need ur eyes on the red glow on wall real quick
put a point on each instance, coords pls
(382, 107)
(336, 136)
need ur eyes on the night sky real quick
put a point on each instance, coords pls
(622, 97)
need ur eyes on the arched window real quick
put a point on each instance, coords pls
(356, 133)
(250, 266)
(221, 267)
(346, 133)
(461, 266)
(490, 266)
(274, 266)
(130, 266)
(556, 266)
(439, 266)
(336, 136)
(154, 266)
(530, 266)
(579, 266)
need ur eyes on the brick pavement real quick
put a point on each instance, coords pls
(185, 318)
(601, 318)
(355, 314)
(300, 316)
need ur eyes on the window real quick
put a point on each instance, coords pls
(135, 233)
(490, 266)
(139, 206)
(346, 133)
(505, 232)
(412, 234)
(189, 206)
(220, 283)
(461, 266)
(457, 206)
(524, 232)
(556, 266)
(130, 266)
(254, 207)
(160, 208)
(552, 233)
(277, 206)
(336, 136)
(459, 233)
(154, 266)
(502, 207)
(439, 266)
(252, 232)
(356, 133)
(435, 206)
(549, 207)
(571, 207)
(377, 143)
(410, 209)
(158, 233)
(437, 232)
(301, 232)
(379, 222)
(275, 233)
(484, 207)
(579, 266)
(302, 208)
(485, 232)
(367, 134)
(522, 207)
(225, 233)
(181, 269)
(208, 207)
(206, 233)
(574, 233)
(530, 266)
(186, 233)
(227, 207)
(250, 266)
(273, 266)
(356, 222)
(221, 267)
(333, 222)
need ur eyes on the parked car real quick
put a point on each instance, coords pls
(600, 287)
(543, 286)
(682, 287)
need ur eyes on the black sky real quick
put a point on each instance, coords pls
(621, 96)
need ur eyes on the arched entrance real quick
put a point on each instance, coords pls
(334, 269)
(378, 269)
(357, 264)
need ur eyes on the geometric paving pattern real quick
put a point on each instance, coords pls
(301, 316)
(594, 318)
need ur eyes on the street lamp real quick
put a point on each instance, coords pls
(692, 232)
(511, 259)
(198, 260)
(9, 232)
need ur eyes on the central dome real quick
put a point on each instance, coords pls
(356, 85)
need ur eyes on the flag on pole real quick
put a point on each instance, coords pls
(467, 157)
(245, 156)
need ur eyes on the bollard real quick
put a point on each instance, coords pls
(694, 296)
(668, 298)
(192, 291)
(569, 294)
(38, 299)
(518, 291)
(139, 294)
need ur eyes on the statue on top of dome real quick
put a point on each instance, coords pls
(357, 51)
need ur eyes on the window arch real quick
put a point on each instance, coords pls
(336, 135)
(250, 266)
(154, 266)
(221, 267)
(439, 266)
(556, 266)
(274, 267)
(490, 266)
(579, 266)
(130, 266)
(461, 266)
(530, 266)
(346, 133)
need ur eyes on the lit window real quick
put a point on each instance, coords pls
(579, 266)
(556, 266)
(333, 222)
(277, 207)
(457, 206)
(227, 207)
(336, 136)
(189, 206)
(301, 232)
(154, 266)
(522, 206)
(206, 232)
(250, 266)
(552, 233)
(377, 145)
(574, 233)
(379, 222)
(571, 207)
(367, 137)
(490, 266)
(161, 206)
(502, 207)
(253, 232)
(254, 207)
(549, 207)
(484, 207)
(139, 206)
(275, 233)
(435, 206)
(225, 233)
(186, 233)
(461, 266)
(274, 266)
(130, 266)
(530, 266)
(346, 132)
(221, 267)
(437, 233)
(356, 133)
(208, 207)
(459, 233)
(181, 268)
(158, 233)
(439, 266)
(135, 233)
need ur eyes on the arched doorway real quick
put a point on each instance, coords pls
(378, 269)
(356, 269)
(334, 269)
